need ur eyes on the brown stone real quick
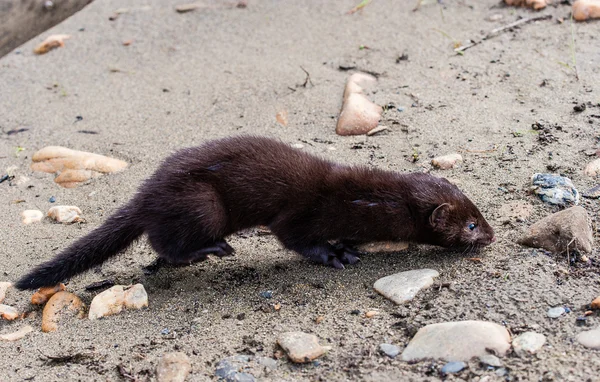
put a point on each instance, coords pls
(60, 307)
(585, 10)
(45, 293)
(301, 347)
(173, 367)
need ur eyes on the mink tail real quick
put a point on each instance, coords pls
(116, 234)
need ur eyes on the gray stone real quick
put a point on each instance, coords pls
(228, 369)
(267, 362)
(402, 287)
(567, 230)
(457, 341)
(490, 360)
(590, 338)
(453, 367)
(528, 343)
(301, 347)
(173, 367)
(501, 372)
(555, 189)
(556, 312)
(389, 350)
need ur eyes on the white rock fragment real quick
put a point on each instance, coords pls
(173, 367)
(446, 162)
(301, 347)
(457, 341)
(4, 285)
(593, 168)
(65, 214)
(528, 343)
(555, 312)
(113, 300)
(590, 338)
(31, 216)
(8, 312)
(402, 287)
(15, 336)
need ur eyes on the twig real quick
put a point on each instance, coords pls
(307, 80)
(573, 49)
(125, 373)
(360, 6)
(497, 31)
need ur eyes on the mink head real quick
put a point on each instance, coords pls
(453, 220)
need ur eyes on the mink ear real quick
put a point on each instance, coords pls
(440, 214)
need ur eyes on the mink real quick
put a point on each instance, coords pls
(315, 207)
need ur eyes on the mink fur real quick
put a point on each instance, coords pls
(200, 195)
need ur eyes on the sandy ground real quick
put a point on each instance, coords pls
(188, 78)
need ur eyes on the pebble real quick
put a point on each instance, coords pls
(229, 368)
(554, 189)
(173, 367)
(595, 303)
(453, 367)
(457, 341)
(31, 216)
(74, 166)
(528, 343)
(113, 300)
(390, 350)
(383, 246)
(590, 338)
(51, 42)
(60, 306)
(358, 115)
(43, 294)
(4, 285)
(446, 162)
(301, 347)
(15, 336)
(402, 287)
(592, 193)
(593, 168)
(65, 214)
(567, 229)
(517, 210)
(535, 4)
(490, 360)
(371, 313)
(266, 294)
(8, 312)
(586, 9)
(556, 312)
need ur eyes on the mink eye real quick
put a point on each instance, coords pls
(472, 226)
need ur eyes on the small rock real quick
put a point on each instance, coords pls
(501, 372)
(579, 108)
(595, 303)
(528, 343)
(267, 362)
(384, 246)
(586, 9)
(31, 216)
(113, 300)
(556, 312)
(457, 341)
(593, 168)
(517, 210)
(301, 347)
(446, 162)
(555, 189)
(184, 8)
(490, 360)
(402, 287)
(534, 4)
(43, 294)
(74, 166)
(65, 214)
(496, 17)
(453, 367)
(266, 294)
(590, 338)
(51, 42)
(15, 336)
(52, 199)
(173, 367)
(592, 193)
(4, 285)
(282, 117)
(60, 306)
(229, 369)
(8, 312)
(358, 115)
(565, 230)
(371, 313)
(390, 350)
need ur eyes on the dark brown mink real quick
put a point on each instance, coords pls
(320, 209)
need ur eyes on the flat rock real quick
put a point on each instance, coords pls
(31, 216)
(457, 341)
(592, 193)
(590, 338)
(490, 360)
(402, 287)
(555, 312)
(517, 210)
(586, 9)
(446, 162)
(74, 166)
(61, 306)
(528, 343)
(569, 229)
(389, 350)
(15, 336)
(301, 347)
(113, 300)
(7, 312)
(554, 189)
(453, 367)
(4, 285)
(173, 367)
(65, 214)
